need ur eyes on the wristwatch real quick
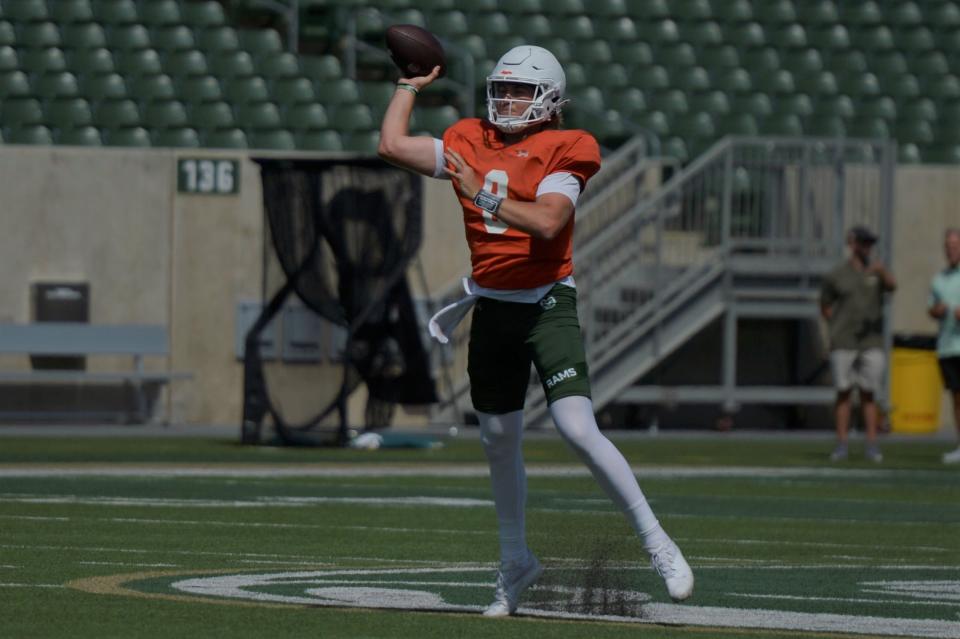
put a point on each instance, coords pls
(487, 201)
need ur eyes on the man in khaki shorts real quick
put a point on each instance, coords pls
(851, 301)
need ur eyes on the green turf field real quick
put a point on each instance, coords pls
(165, 537)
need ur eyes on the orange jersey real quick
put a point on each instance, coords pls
(504, 257)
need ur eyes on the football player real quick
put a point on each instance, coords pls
(518, 175)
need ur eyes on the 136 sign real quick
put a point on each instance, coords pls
(208, 176)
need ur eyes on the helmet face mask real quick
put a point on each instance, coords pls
(525, 65)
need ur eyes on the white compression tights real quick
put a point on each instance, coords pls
(501, 437)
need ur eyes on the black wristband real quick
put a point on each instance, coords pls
(487, 201)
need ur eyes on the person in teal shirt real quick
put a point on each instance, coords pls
(944, 306)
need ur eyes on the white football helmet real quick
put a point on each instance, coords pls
(532, 65)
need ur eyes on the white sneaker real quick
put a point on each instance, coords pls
(952, 457)
(669, 563)
(873, 454)
(512, 580)
(839, 453)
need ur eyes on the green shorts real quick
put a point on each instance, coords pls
(507, 336)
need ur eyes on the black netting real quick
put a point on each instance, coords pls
(343, 234)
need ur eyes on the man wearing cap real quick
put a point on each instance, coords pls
(944, 306)
(851, 301)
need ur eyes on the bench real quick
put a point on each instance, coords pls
(77, 339)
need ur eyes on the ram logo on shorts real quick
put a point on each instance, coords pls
(548, 302)
(556, 378)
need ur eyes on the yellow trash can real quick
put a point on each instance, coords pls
(916, 391)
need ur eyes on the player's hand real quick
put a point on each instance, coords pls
(468, 183)
(421, 82)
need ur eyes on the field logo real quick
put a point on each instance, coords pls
(548, 302)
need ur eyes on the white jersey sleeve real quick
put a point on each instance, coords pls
(439, 162)
(561, 182)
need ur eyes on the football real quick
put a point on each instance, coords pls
(415, 50)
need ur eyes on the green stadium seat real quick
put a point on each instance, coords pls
(258, 116)
(733, 11)
(68, 113)
(217, 39)
(199, 88)
(409, 16)
(574, 28)
(775, 12)
(43, 60)
(651, 78)
(695, 126)
(758, 105)
(232, 64)
(342, 91)
(115, 114)
(916, 40)
(139, 62)
(183, 137)
(781, 124)
(563, 7)
(165, 114)
(837, 105)
(294, 91)
(592, 52)
(533, 27)
(98, 60)
(175, 37)
(693, 80)
(862, 12)
(450, 24)
(818, 12)
(902, 87)
(276, 140)
(520, 6)
(703, 34)
(791, 36)
(945, 15)
(128, 37)
(776, 82)
(83, 36)
(38, 35)
(888, 63)
(587, 100)
(867, 127)
(859, 84)
(659, 32)
(159, 12)
(79, 136)
(620, 29)
(908, 153)
(260, 41)
(848, 62)
(732, 81)
(319, 141)
(882, 107)
(210, 115)
(920, 108)
(321, 68)
(369, 23)
(609, 127)
(826, 126)
(611, 77)
(363, 142)
(437, 119)
(473, 6)
(905, 14)
(943, 154)
(438, 5)
(225, 139)
(819, 83)
(934, 63)
(136, 136)
(875, 38)
(9, 61)
(147, 88)
(185, 63)
(28, 134)
(762, 60)
(715, 102)
(491, 25)
(675, 148)
(679, 55)
(474, 44)
(376, 95)
(630, 101)
(633, 54)
(949, 112)
(829, 38)
(915, 131)
(115, 12)
(280, 65)
(647, 9)
(561, 48)
(106, 86)
(692, 10)
(608, 8)
(656, 122)
(8, 35)
(745, 35)
(670, 101)
(26, 11)
(59, 84)
(203, 15)
(351, 117)
(742, 124)
(803, 61)
(942, 88)
(794, 103)
(21, 111)
(14, 84)
(302, 117)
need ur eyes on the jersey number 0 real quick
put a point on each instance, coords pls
(495, 182)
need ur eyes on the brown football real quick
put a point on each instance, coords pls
(415, 50)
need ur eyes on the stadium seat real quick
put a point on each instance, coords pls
(651, 78)
(351, 117)
(260, 41)
(656, 122)
(888, 63)
(848, 62)
(692, 10)
(775, 82)
(29, 11)
(762, 60)
(859, 84)
(676, 56)
(790, 36)
(294, 91)
(633, 54)
(781, 124)
(175, 37)
(98, 60)
(107, 86)
(876, 38)
(592, 52)
(280, 65)
(587, 99)
(79, 136)
(696, 128)
(817, 84)
(837, 105)
(908, 153)
(533, 27)
(943, 154)
(613, 30)
(775, 12)
(563, 7)
(561, 48)
(803, 61)
(61, 84)
(758, 105)
(829, 38)
(409, 16)
(190, 62)
(159, 12)
(139, 62)
(450, 24)
(276, 140)
(611, 77)
(13, 84)
(225, 139)
(9, 61)
(608, 8)
(8, 36)
(436, 120)
(882, 107)
(945, 15)
(737, 124)
(915, 131)
(68, 113)
(257, 116)
(491, 25)
(905, 14)
(115, 12)
(83, 36)
(934, 63)
(301, 117)
(43, 60)
(147, 88)
(474, 44)
(20, 112)
(675, 148)
(693, 80)
(320, 68)
(648, 9)
(183, 137)
(715, 102)
(363, 142)
(217, 39)
(38, 35)
(916, 40)
(920, 108)
(29, 134)
(795, 104)
(826, 126)
(818, 12)
(669, 101)
(949, 113)
(341, 91)
(231, 64)
(732, 11)
(659, 32)
(128, 37)
(574, 28)
(944, 87)
(732, 80)
(129, 137)
(862, 12)
(703, 34)
(210, 115)
(319, 141)
(203, 15)
(199, 88)
(165, 114)
(866, 127)
(115, 114)
(630, 102)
